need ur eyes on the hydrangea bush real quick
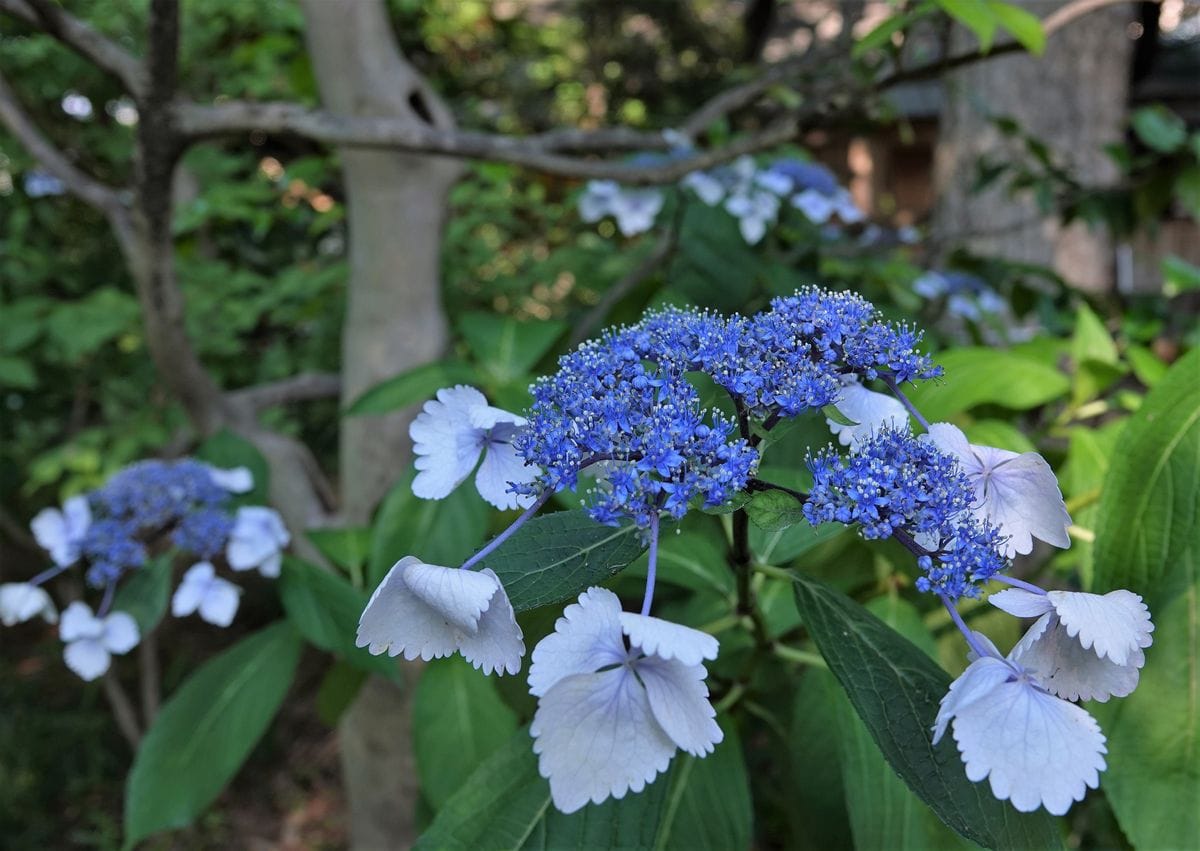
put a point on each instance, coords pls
(177, 512)
(625, 426)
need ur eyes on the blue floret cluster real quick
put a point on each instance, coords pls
(643, 422)
(896, 483)
(145, 500)
(625, 398)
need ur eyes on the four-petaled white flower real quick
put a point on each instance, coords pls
(201, 590)
(1036, 750)
(61, 532)
(1082, 646)
(91, 641)
(234, 480)
(257, 540)
(450, 435)
(819, 208)
(429, 611)
(610, 717)
(870, 412)
(1016, 492)
(634, 209)
(20, 601)
(754, 210)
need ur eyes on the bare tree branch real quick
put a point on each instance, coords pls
(196, 121)
(104, 53)
(89, 190)
(298, 388)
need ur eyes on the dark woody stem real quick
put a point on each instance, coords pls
(761, 485)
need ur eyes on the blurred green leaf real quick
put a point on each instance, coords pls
(895, 689)
(1179, 276)
(145, 593)
(459, 721)
(17, 372)
(1025, 26)
(206, 729)
(408, 388)
(325, 609)
(348, 548)
(1187, 190)
(440, 531)
(505, 348)
(339, 687)
(976, 376)
(998, 433)
(1149, 513)
(1159, 128)
(976, 15)
(1146, 366)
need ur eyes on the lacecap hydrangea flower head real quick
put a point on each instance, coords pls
(620, 693)
(183, 510)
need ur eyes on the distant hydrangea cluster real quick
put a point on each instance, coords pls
(750, 193)
(620, 693)
(184, 509)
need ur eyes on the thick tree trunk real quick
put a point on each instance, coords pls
(1074, 99)
(394, 320)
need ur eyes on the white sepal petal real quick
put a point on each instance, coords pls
(396, 621)
(234, 480)
(1063, 667)
(1034, 748)
(1115, 624)
(192, 588)
(817, 208)
(595, 738)
(445, 442)
(458, 596)
(975, 683)
(120, 632)
(679, 701)
(20, 601)
(87, 657)
(220, 603)
(502, 465)
(666, 640)
(78, 622)
(586, 638)
(1021, 603)
(870, 411)
(498, 645)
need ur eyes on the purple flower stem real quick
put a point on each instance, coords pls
(47, 575)
(905, 401)
(495, 543)
(979, 649)
(652, 565)
(106, 603)
(1019, 583)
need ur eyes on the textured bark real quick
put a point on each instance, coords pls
(396, 205)
(1073, 98)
